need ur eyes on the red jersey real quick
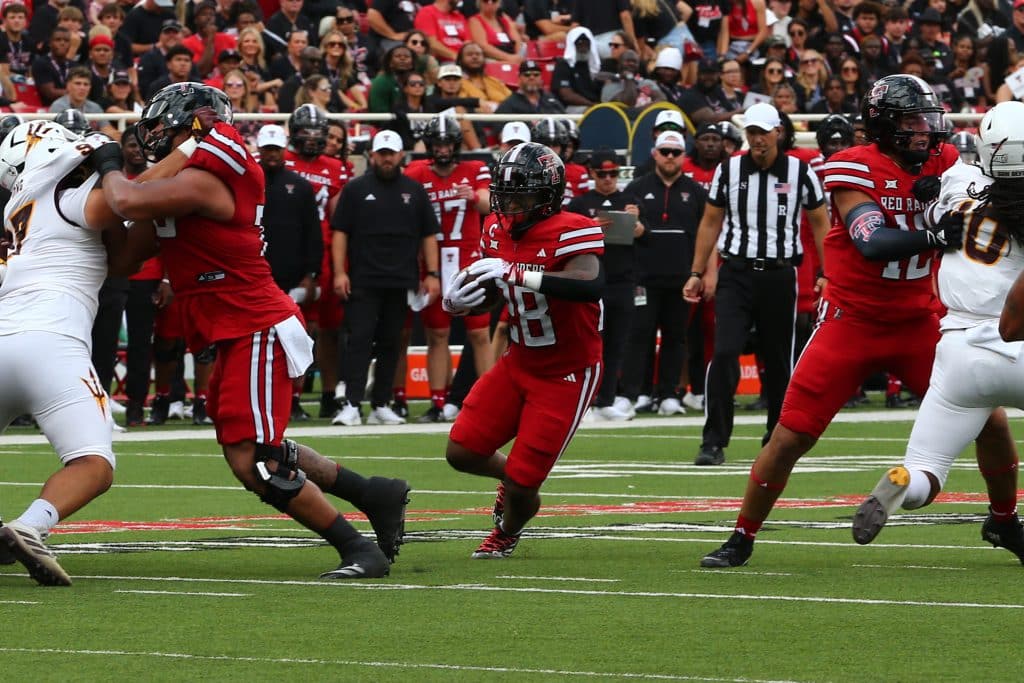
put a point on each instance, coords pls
(217, 268)
(886, 292)
(701, 176)
(549, 336)
(448, 27)
(326, 174)
(577, 181)
(458, 218)
(807, 300)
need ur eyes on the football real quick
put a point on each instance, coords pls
(493, 296)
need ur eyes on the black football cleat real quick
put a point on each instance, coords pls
(1008, 534)
(734, 553)
(433, 414)
(385, 509)
(367, 563)
(329, 406)
(159, 410)
(400, 408)
(710, 455)
(298, 414)
(199, 415)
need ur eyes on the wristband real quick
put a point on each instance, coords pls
(696, 274)
(531, 279)
(188, 147)
(434, 273)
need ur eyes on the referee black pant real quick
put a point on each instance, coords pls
(668, 311)
(374, 319)
(746, 298)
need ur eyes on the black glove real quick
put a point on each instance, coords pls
(926, 188)
(203, 121)
(107, 158)
(948, 233)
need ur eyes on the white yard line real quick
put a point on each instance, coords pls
(910, 566)
(205, 595)
(382, 665)
(556, 578)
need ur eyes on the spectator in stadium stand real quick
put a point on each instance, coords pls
(337, 145)
(357, 44)
(978, 13)
(929, 32)
(616, 48)
(144, 23)
(315, 90)
(809, 82)
(772, 74)
(390, 22)
(530, 98)
(603, 19)
(445, 27)
(1001, 58)
(121, 95)
(282, 24)
(348, 93)
(77, 93)
(153, 64)
(414, 101)
(112, 16)
(872, 63)
(44, 20)
(383, 224)
(386, 87)
(446, 96)
(496, 33)
(843, 10)
(852, 76)
(16, 46)
(50, 71)
(1015, 31)
(836, 48)
(867, 20)
(574, 81)
(547, 19)
(834, 102)
(243, 100)
(206, 42)
(179, 69)
(101, 64)
(310, 62)
(748, 29)
(289, 62)
(475, 83)
(620, 276)
(227, 60)
(705, 102)
(797, 43)
(72, 19)
(784, 99)
(660, 23)
(291, 225)
(707, 26)
(630, 88)
(780, 9)
(426, 63)
(896, 25)
(670, 205)
(965, 51)
(818, 19)
(253, 53)
(667, 70)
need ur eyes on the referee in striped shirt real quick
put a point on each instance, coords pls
(753, 216)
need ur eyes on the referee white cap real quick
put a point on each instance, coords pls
(762, 115)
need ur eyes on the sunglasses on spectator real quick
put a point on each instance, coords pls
(811, 60)
(416, 42)
(773, 71)
(416, 84)
(324, 88)
(670, 152)
(606, 174)
(851, 69)
(334, 43)
(615, 46)
(797, 33)
(346, 19)
(233, 84)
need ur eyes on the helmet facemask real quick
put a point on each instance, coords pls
(309, 141)
(917, 135)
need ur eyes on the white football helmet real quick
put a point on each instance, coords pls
(1000, 141)
(41, 138)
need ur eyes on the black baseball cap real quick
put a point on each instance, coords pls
(528, 66)
(228, 55)
(707, 128)
(170, 25)
(604, 158)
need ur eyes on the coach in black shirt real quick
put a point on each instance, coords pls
(670, 208)
(758, 197)
(620, 276)
(383, 224)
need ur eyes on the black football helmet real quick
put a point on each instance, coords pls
(442, 130)
(172, 109)
(573, 144)
(835, 132)
(9, 123)
(550, 132)
(307, 130)
(897, 108)
(74, 120)
(963, 141)
(528, 185)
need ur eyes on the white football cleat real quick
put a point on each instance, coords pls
(384, 416)
(26, 545)
(624, 405)
(176, 411)
(450, 412)
(694, 401)
(116, 407)
(609, 414)
(671, 406)
(348, 416)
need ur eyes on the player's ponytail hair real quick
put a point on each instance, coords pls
(1003, 201)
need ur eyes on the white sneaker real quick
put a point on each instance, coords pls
(694, 401)
(384, 416)
(624, 405)
(339, 391)
(117, 408)
(348, 416)
(609, 414)
(450, 412)
(671, 406)
(26, 545)
(176, 411)
(643, 401)
(886, 498)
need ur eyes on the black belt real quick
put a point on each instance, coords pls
(743, 263)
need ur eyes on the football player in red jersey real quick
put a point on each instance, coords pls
(307, 142)
(555, 135)
(876, 311)
(458, 191)
(207, 220)
(547, 264)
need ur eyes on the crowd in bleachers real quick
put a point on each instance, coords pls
(712, 58)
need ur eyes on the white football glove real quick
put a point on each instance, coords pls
(462, 296)
(496, 269)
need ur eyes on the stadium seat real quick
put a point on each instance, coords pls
(547, 74)
(28, 95)
(550, 49)
(504, 72)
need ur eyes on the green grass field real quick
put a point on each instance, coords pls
(181, 575)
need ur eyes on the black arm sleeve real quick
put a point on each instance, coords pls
(878, 242)
(574, 290)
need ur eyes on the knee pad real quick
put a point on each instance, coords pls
(166, 353)
(280, 485)
(207, 355)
